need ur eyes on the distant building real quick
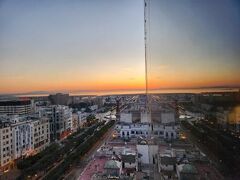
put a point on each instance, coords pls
(229, 119)
(15, 107)
(167, 129)
(160, 117)
(59, 99)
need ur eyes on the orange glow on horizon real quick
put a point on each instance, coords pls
(112, 85)
(116, 82)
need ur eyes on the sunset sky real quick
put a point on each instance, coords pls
(194, 43)
(99, 45)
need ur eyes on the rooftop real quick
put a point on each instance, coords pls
(111, 164)
(129, 158)
(187, 168)
(94, 166)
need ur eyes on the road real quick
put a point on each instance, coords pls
(76, 171)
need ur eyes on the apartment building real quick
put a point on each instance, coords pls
(40, 136)
(22, 136)
(5, 146)
(15, 107)
(60, 119)
(21, 139)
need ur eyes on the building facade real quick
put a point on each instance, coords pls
(60, 119)
(5, 146)
(21, 137)
(15, 107)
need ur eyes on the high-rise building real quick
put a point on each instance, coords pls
(60, 119)
(59, 99)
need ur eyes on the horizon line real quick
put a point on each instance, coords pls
(42, 92)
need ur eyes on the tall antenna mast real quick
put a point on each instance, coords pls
(145, 44)
(146, 24)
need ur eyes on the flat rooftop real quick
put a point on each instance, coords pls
(94, 166)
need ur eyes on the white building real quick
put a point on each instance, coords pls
(21, 139)
(148, 153)
(22, 136)
(5, 146)
(165, 131)
(129, 130)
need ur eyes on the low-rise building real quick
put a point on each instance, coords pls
(167, 165)
(129, 130)
(187, 171)
(113, 169)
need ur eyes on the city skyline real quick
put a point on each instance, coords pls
(97, 46)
